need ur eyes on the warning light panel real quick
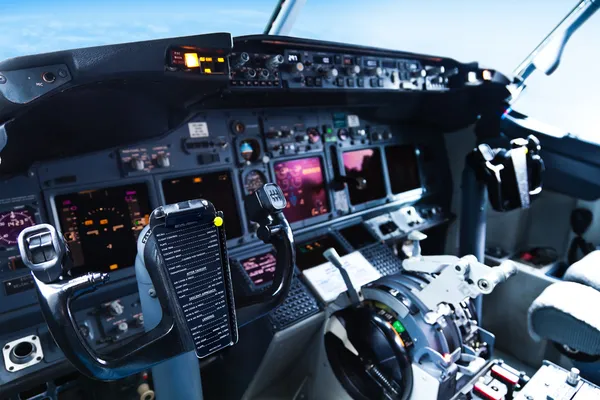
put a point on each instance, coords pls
(196, 61)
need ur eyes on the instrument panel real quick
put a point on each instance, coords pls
(340, 165)
(291, 64)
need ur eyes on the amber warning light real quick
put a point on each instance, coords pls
(191, 60)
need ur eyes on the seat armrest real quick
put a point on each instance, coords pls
(567, 313)
(586, 271)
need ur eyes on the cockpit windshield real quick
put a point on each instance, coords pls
(35, 26)
(497, 36)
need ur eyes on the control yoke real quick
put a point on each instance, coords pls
(44, 251)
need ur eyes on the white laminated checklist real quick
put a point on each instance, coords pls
(327, 281)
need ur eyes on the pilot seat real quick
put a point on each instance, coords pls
(566, 313)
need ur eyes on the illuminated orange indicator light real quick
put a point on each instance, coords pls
(103, 221)
(89, 222)
(220, 59)
(202, 59)
(198, 180)
(207, 71)
(191, 60)
(209, 59)
(112, 267)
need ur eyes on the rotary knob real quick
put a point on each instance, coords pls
(343, 134)
(378, 72)
(274, 61)
(241, 59)
(250, 73)
(137, 164)
(329, 73)
(115, 308)
(123, 327)
(163, 161)
(296, 68)
(264, 74)
(313, 135)
(352, 70)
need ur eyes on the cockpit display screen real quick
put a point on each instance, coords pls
(260, 268)
(403, 168)
(215, 187)
(310, 254)
(12, 222)
(303, 184)
(101, 226)
(365, 166)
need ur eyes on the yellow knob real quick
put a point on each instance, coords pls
(218, 221)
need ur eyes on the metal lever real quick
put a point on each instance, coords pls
(333, 257)
(458, 278)
(416, 237)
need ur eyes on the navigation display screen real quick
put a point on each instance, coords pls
(12, 222)
(365, 164)
(260, 268)
(101, 226)
(310, 254)
(215, 187)
(303, 184)
(403, 168)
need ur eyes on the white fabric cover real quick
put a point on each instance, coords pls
(567, 313)
(586, 271)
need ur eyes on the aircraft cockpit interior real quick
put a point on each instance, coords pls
(296, 211)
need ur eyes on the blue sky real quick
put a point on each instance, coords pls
(498, 34)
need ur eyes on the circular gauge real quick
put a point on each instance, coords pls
(313, 135)
(343, 134)
(253, 181)
(250, 150)
(12, 223)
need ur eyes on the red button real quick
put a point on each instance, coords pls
(486, 392)
(504, 376)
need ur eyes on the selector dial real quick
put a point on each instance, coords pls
(274, 61)
(123, 327)
(241, 59)
(296, 67)
(264, 74)
(137, 164)
(115, 308)
(163, 161)
(343, 134)
(313, 135)
(378, 72)
(250, 73)
(329, 73)
(353, 70)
